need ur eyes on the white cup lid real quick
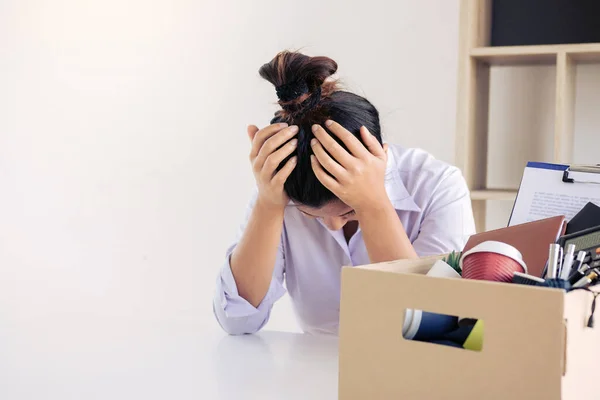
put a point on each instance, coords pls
(492, 246)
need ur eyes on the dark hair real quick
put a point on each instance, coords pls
(308, 97)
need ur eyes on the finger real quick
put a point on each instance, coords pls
(334, 148)
(284, 173)
(356, 148)
(272, 144)
(273, 160)
(323, 177)
(371, 143)
(262, 135)
(252, 129)
(328, 162)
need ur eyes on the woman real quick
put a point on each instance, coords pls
(330, 194)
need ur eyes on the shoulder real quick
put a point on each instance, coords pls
(418, 165)
(425, 178)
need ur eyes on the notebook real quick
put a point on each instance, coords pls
(532, 239)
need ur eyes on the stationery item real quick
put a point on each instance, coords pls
(445, 342)
(468, 335)
(586, 280)
(531, 239)
(578, 262)
(552, 189)
(526, 279)
(587, 240)
(553, 256)
(565, 272)
(475, 339)
(596, 280)
(587, 218)
(557, 284)
(420, 325)
(561, 256)
(492, 261)
(427, 326)
(582, 174)
(580, 273)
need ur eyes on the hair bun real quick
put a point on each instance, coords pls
(295, 75)
(291, 91)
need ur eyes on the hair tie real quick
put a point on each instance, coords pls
(311, 101)
(298, 110)
(292, 90)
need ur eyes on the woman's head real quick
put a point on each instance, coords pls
(307, 96)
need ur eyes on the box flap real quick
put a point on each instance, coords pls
(417, 266)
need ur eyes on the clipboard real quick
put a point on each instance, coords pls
(548, 190)
(582, 174)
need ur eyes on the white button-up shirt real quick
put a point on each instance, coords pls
(433, 203)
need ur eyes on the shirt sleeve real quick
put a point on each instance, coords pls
(234, 313)
(448, 222)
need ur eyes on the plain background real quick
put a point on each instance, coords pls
(123, 152)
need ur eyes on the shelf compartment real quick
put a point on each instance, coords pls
(544, 54)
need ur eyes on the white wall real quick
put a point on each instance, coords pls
(123, 171)
(123, 155)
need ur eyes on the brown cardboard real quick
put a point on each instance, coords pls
(526, 339)
(582, 347)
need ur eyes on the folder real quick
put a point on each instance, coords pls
(532, 239)
(588, 217)
(548, 190)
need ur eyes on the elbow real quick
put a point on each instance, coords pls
(236, 331)
(236, 326)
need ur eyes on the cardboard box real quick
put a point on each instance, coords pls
(536, 344)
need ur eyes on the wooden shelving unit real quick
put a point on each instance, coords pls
(475, 58)
(531, 55)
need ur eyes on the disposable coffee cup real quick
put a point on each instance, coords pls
(492, 261)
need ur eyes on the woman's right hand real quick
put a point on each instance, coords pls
(269, 149)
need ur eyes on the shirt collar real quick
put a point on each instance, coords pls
(399, 196)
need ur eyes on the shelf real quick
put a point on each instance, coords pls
(543, 54)
(494, 194)
(476, 56)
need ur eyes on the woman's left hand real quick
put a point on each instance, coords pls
(357, 177)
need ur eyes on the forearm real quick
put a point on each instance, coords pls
(253, 259)
(384, 235)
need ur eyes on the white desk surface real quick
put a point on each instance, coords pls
(117, 358)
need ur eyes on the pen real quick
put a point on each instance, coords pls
(575, 276)
(579, 274)
(568, 262)
(586, 280)
(559, 261)
(597, 278)
(553, 261)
